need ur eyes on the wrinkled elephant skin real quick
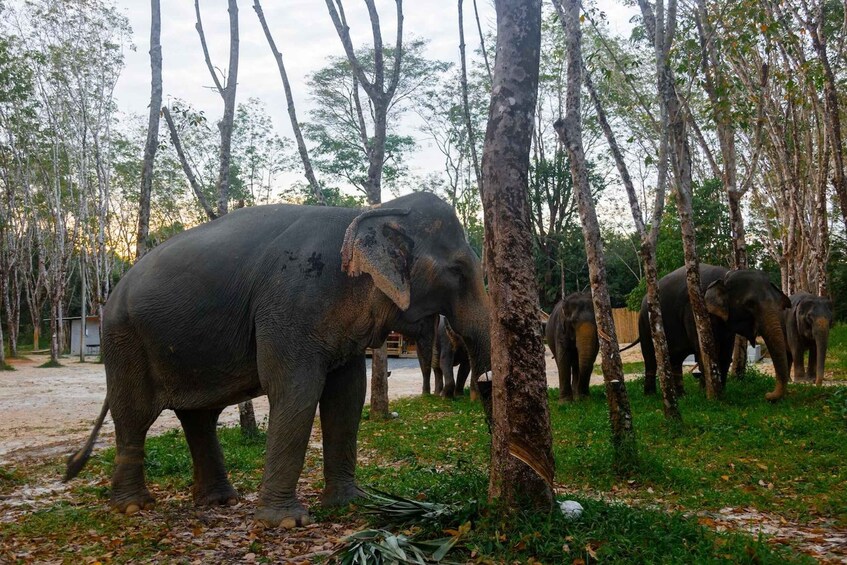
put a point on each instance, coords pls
(742, 302)
(279, 300)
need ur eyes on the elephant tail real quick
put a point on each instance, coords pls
(631, 345)
(78, 460)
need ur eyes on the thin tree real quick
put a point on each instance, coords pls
(569, 130)
(292, 113)
(647, 249)
(380, 94)
(227, 94)
(465, 103)
(661, 28)
(142, 245)
(521, 444)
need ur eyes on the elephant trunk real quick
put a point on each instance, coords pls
(470, 320)
(820, 331)
(771, 329)
(587, 346)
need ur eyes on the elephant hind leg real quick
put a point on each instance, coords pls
(134, 408)
(462, 377)
(211, 485)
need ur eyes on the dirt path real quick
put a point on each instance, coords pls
(49, 412)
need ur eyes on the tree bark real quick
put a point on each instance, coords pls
(292, 113)
(662, 33)
(647, 251)
(522, 464)
(569, 130)
(380, 96)
(152, 143)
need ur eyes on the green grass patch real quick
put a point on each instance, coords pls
(785, 459)
(50, 365)
(628, 368)
(836, 353)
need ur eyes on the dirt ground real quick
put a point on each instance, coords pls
(49, 412)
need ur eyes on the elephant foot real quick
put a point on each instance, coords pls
(132, 504)
(341, 495)
(777, 393)
(294, 516)
(220, 495)
(474, 395)
(565, 400)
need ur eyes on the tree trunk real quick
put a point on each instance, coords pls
(152, 143)
(647, 250)
(247, 418)
(82, 295)
(570, 133)
(379, 383)
(522, 463)
(465, 103)
(662, 31)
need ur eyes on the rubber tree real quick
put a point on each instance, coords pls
(522, 464)
(569, 130)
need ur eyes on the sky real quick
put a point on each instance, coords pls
(304, 34)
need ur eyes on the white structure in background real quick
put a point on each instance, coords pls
(92, 335)
(754, 355)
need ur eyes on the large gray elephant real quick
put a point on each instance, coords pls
(742, 302)
(572, 337)
(807, 326)
(278, 300)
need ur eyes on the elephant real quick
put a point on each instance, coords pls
(424, 337)
(572, 337)
(449, 351)
(280, 300)
(742, 302)
(807, 326)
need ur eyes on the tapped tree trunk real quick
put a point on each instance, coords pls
(141, 244)
(521, 472)
(569, 130)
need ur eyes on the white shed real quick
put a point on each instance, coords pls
(92, 335)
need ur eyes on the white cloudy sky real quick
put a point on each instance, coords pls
(303, 32)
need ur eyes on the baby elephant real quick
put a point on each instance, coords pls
(449, 351)
(572, 337)
(807, 325)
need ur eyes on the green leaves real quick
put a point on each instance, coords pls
(370, 547)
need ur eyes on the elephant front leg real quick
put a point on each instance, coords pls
(447, 370)
(341, 411)
(462, 377)
(797, 361)
(211, 485)
(810, 366)
(293, 401)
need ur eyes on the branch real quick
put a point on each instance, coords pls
(199, 27)
(292, 113)
(398, 52)
(192, 180)
(343, 30)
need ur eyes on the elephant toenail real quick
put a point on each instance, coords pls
(132, 509)
(288, 523)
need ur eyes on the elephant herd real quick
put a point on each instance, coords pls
(741, 302)
(283, 300)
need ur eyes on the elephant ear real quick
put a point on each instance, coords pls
(786, 302)
(376, 243)
(717, 300)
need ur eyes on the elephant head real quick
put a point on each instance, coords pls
(415, 251)
(753, 306)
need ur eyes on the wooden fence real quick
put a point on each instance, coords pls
(626, 325)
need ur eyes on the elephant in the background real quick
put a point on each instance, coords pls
(572, 337)
(449, 351)
(807, 326)
(279, 300)
(742, 302)
(424, 336)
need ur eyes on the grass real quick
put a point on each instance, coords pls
(633, 367)
(836, 354)
(50, 365)
(785, 459)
